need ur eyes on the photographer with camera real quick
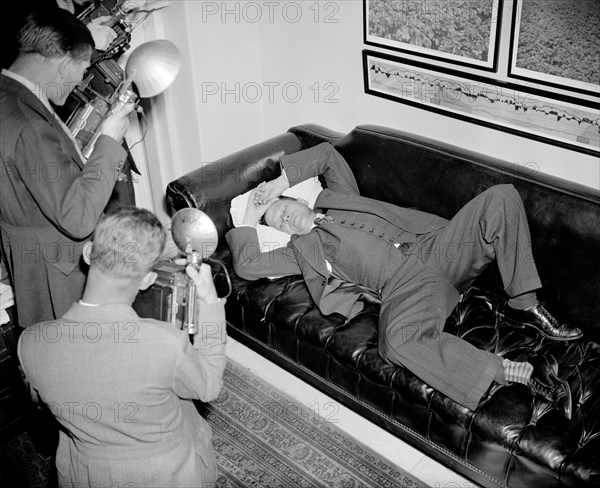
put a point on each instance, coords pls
(121, 386)
(50, 197)
(12, 20)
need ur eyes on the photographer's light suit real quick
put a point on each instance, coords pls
(122, 389)
(404, 255)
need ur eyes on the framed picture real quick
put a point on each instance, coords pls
(479, 100)
(552, 44)
(457, 31)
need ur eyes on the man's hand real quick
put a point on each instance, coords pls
(269, 190)
(205, 287)
(115, 125)
(254, 210)
(103, 35)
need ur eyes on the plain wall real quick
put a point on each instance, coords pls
(251, 70)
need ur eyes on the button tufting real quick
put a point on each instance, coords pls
(476, 318)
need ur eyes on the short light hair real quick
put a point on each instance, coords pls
(127, 243)
(54, 33)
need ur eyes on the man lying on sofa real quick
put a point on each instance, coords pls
(397, 253)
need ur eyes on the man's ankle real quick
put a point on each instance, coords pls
(523, 301)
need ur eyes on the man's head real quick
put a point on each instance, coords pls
(56, 40)
(127, 245)
(290, 215)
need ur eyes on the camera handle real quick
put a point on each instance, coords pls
(123, 96)
(190, 321)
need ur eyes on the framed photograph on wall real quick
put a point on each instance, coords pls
(555, 43)
(479, 100)
(463, 32)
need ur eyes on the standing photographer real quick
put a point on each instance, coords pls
(12, 21)
(50, 197)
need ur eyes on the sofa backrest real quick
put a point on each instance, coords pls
(564, 217)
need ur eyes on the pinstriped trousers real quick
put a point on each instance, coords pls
(426, 286)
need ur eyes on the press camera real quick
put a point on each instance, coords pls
(172, 297)
(105, 89)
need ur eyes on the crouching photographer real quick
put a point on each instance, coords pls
(122, 386)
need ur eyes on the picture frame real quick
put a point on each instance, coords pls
(565, 55)
(455, 31)
(480, 100)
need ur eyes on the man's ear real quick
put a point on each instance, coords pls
(63, 65)
(148, 280)
(87, 252)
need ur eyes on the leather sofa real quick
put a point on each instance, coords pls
(512, 438)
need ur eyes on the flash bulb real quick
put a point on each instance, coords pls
(194, 231)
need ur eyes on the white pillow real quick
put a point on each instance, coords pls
(269, 237)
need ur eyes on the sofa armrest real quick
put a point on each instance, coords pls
(212, 186)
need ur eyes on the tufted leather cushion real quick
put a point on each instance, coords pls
(511, 438)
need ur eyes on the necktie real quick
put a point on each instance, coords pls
(320, 219)
(323, 218)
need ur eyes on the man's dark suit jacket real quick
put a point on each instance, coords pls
(306, 254)
(50, 202)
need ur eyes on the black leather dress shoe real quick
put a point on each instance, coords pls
(546, 383)
(538, 317)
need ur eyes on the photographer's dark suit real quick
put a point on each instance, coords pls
(50, 202)
(419, 263)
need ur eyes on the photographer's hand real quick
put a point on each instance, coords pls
(205, 287)
(115, 125)
(103, 35)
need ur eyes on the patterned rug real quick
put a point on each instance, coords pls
(263, 439)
